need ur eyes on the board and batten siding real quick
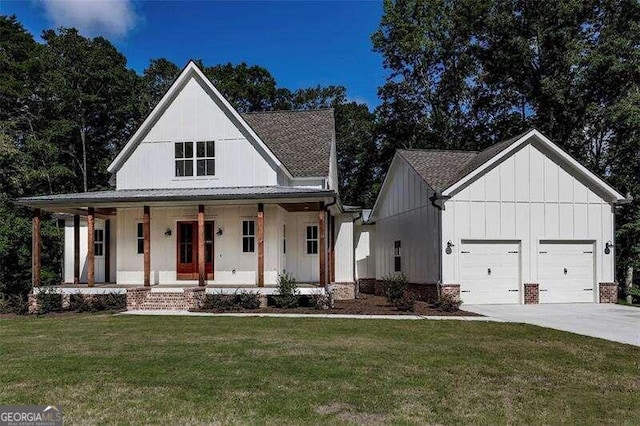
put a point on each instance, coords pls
(528, 197)
(194, 116)
(344, 229)
(99, 260)
(365, 252)
(406, 214)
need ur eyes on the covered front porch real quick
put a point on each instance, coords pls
(216, 244)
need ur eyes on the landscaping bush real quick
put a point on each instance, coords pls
(407, 302)
(18, 304)
(5, 307)
(634, 292)
(48, 301)
(248, 299)
(113, 302)
(448, 303)
(395, 287)
(288, 294)
(218, 302)
(79, 303)
(321, 300)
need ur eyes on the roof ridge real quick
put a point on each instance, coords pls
(464, 151)
(288, 111)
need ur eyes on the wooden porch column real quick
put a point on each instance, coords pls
(322, 248)
(332, 248)
(202, 274)
(91, 270)
(76, 249)
(35, 248)
(146, 233)
(260, 245)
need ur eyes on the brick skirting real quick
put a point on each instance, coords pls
(531, 293)
(450, 289)
(608, 292)
(136, 297)
(425, 292)
(367, 285)
(194, 297)
(343, 291)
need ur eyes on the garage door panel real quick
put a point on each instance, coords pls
(489, 272)
(566, 272)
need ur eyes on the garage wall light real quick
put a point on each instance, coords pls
(607, 247)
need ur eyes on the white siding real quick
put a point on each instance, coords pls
(405, 213)
(365, 251)
(528, 197)
(344, 248)
(194, 116)
(99, 261)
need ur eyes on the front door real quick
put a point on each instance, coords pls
(187, 250)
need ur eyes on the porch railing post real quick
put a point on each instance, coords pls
(91, 270)
(202, 275)
(260, 245)
(35, 248)
(146, 233)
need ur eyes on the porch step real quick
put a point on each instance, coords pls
(165, 301)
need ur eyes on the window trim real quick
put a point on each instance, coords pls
(243, 236)
(397, 256)
(183, 159)
(194, 160)
(307, 240)
(98, 242)
(204, 158)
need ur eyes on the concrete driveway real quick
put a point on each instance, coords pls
(607, 321)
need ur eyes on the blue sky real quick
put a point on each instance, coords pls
(301, 43)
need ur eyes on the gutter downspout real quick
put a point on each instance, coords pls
(353, 250)
(329, 228)
(438, 201)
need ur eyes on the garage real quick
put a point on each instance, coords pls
(566, 271)
(489, 271)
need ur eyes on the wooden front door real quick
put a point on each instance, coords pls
(187, 250)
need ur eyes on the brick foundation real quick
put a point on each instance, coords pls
(33, 303)
(450, 289)
(608, 292)
(136, 297)
(194, 297)
(343, 291)
(367, 285)
(531, 293)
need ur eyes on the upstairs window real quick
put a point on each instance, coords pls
(248, 236)
(397, 256)
(206, 158)
(312, 239)
(184, 158)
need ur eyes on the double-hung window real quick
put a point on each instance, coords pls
(397, 256)
(312, 239)
(98, 242)
(206, 158)
(140, 238)
(248, 236)
(184, 158)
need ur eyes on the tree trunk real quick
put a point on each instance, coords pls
(84, 158)
(629, 282)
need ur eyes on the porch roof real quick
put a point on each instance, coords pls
(137, 196)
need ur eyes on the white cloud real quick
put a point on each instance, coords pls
(93, 17)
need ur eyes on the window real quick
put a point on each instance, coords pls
(184, 158)
(284, 239)
(98, 242)
(248, 236)
(312, 239)
(397, 258)
(206, 162)
(140, 239)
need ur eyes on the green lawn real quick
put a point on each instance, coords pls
(129, 369)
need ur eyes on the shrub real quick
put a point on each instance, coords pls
(395, 287)
(79, 303)
(18, 304)
(248, 299)
(48, 301)
(321, 300)
(448, 303)
(634, 292)
(288, 293)
(406, 303)
(218, 302)
(113, 302)
(5, 306)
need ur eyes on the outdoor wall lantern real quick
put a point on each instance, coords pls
(167, 233)
(607, 247)
(450, 246)
(219, 232)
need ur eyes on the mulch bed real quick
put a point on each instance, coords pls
(365, 304)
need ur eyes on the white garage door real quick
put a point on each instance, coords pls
(566, 271)
(489, 271)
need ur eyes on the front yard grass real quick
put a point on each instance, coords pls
(177, 370)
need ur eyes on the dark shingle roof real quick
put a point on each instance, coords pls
(300, 139)
(441, 169)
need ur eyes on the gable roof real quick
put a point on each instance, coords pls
(300, 139)
(446, 171)
(297, 142)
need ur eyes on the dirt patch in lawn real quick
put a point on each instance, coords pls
(365, 304)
